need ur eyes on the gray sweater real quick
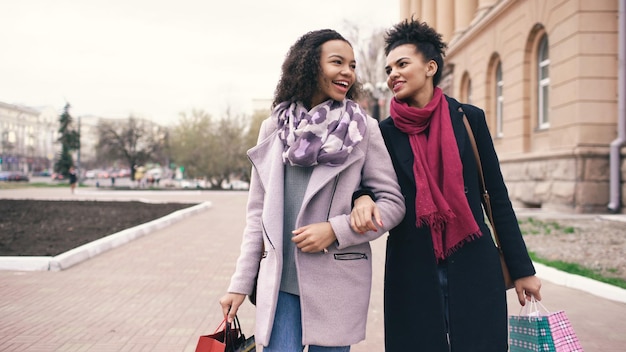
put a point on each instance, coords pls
(296, 181)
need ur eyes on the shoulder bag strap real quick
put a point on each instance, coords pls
(484, 193)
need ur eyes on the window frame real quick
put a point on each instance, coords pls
(499, 100)
(543, 83)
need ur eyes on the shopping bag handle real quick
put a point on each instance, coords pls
(232, 333)
(220, 327)
(533, 308)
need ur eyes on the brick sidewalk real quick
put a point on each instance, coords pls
(160, 292)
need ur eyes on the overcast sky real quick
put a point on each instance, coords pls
(157, 58)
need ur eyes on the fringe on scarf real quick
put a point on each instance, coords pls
(452, 250)
(436, 220)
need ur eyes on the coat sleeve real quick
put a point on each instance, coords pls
(379, 177)
(513, 245)
(251, 249)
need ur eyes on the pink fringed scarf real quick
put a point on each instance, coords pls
(440, 201)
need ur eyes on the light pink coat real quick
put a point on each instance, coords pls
(334, 287)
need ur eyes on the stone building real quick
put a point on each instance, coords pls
(27, 138)
(88, 141)
(546, 74)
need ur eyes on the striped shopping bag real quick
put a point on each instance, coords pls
(541, 331)
(563, 335)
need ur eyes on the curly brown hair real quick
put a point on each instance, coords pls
(426, 40)
(302, 67)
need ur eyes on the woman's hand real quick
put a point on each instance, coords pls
(230, 303)
(315, 237)
(363, 212)
(526, 287)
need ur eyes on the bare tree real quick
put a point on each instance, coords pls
(370, 55)
(252, 133)
(190, 142)
(229, 138)
(208, 148)
(251, 137)
(133, 140)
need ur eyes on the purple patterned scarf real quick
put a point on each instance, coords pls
(324, 135)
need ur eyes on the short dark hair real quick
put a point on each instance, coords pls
(302, 67)
(426, 40)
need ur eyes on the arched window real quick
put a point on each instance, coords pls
(499, 100)
(543, 80)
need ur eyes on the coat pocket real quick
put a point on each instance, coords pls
(350, 256)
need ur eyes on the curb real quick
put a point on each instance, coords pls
(92, 249)
(614, 217)
(581, 283)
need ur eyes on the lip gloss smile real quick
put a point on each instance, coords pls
(342, 85)
(397, 85)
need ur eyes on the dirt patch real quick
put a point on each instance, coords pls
(593, 243)
(49, 228)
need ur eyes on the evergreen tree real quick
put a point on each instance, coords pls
(70, 141)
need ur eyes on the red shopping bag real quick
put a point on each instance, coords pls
(216, 342)
(226, 338)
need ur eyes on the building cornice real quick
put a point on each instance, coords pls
(24, 109)
(465, 37)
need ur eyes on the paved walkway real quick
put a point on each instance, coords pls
(160, 292)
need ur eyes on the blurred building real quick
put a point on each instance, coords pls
(27, 137)
(546, 74)
(88, 141)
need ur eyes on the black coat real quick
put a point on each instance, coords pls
(477, 298)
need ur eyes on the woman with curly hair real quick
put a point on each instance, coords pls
(444, 288)
(313, 152)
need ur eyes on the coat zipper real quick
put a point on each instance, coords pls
(332, 196)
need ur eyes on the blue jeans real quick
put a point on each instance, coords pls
(287, 328)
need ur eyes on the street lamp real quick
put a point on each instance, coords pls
(78, 169)
(2, 158)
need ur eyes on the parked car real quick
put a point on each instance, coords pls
(124, 173)
(44, 173)
(195, 183)
(119, 173)
(97, 173)
(20, 176)
(237, 184)
(4, 175)
(57, 177)
(154, 174)
(13, 176)
(90, 173)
